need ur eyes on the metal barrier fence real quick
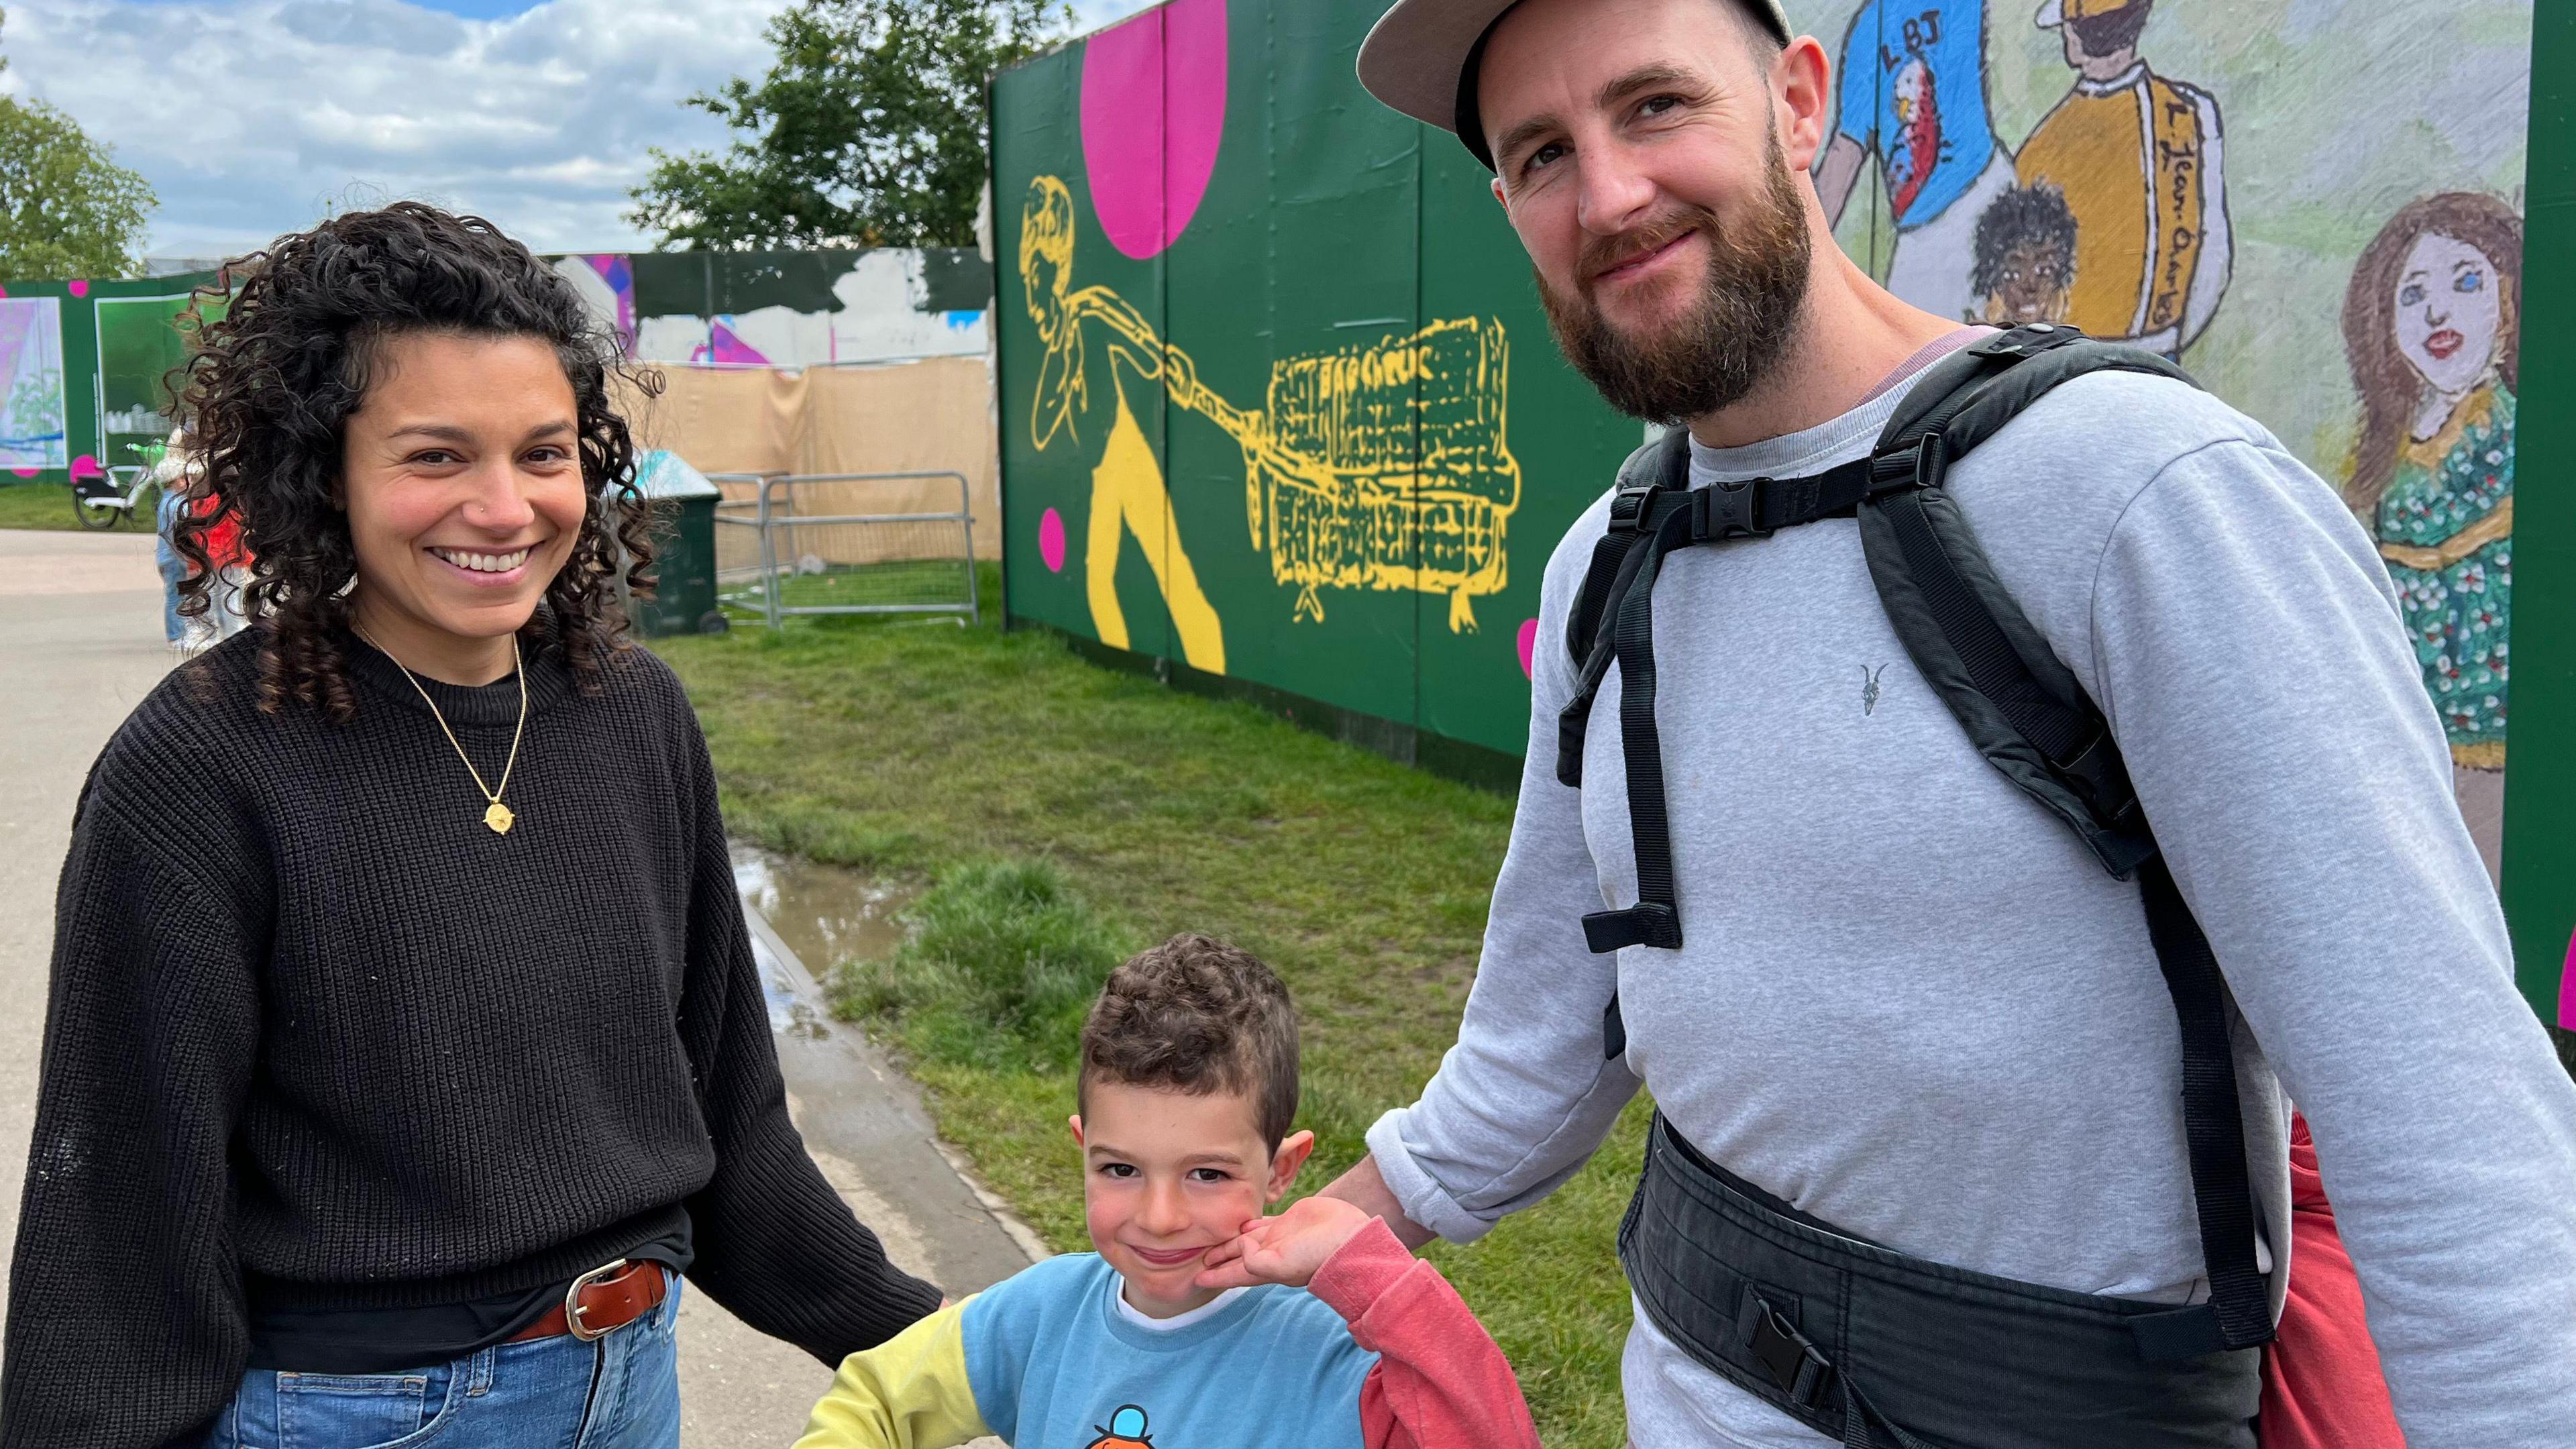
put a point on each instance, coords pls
(844, 543)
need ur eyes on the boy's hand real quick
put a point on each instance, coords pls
(1286, 1249)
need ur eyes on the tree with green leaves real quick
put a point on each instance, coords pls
(868, 130)
(66, 208)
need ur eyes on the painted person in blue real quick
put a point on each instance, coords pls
(1913, 94)
(1198, 1322)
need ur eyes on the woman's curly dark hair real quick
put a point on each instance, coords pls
(266, 397)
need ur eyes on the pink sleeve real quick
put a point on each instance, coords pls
(1440, 1383)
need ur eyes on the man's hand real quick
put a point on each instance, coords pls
(1286, 1249)
(1365, 1186)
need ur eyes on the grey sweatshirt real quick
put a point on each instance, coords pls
(1912, 1005)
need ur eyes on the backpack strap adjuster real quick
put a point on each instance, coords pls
(1632, 508)
(1918, 464)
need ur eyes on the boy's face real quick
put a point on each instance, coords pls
(1168, 1175)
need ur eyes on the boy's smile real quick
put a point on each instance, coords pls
(1168, 1175)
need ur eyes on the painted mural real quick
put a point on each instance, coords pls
(33, 426)
(2197, 179)
(788, 309)
(1253, 327)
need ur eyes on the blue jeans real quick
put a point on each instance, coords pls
(620, 1392)
(174, 571)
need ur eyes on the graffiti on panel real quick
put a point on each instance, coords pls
(1382, 465)
(2431, 328)
(2112, 213)
(2115, 213)
(1914, 98)
(2138, 159)
(33, 428)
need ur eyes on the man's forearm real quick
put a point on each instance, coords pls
(1365, 1188)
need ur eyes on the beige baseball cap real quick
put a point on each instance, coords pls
(1421, 59)
(2054, 13)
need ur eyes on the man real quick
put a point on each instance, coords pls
(1913, 78)
(1910, 1008)
(2141, 163)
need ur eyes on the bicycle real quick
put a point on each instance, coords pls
(108, 501)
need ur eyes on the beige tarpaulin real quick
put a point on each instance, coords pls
(930, 415)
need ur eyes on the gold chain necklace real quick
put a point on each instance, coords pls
(498, 816)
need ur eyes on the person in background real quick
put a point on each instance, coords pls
(405, 1043)
(174, 569)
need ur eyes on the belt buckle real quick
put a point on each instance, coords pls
(572, 1300)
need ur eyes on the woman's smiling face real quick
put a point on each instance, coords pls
(462, 479)
(2450, 312)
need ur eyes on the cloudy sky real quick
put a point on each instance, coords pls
(252, 117)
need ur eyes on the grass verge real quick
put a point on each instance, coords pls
(1067, 813)
(49, 506)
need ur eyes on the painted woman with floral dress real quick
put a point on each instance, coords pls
(2431, 322)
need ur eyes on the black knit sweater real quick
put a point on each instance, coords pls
(318, 1038)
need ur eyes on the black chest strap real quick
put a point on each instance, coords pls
(1649, 521)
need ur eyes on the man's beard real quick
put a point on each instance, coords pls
(1727, 340)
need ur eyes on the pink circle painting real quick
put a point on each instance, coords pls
(80, 289)
(1153, 114)
(1051, 541)
(86, 466)
(26, 472)
(1529, 644)
(2567, 990)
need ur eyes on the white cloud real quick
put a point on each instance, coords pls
(253, 117)
(1090, 15)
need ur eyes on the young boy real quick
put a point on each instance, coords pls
(1337, 1336)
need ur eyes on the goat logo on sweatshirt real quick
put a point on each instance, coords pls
(1869, 688)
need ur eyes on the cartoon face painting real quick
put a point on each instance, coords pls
(2449, 312)
(2025, 256)
(1126, 1430)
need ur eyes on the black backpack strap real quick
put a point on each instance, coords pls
(2032, 720)
(2021, 706)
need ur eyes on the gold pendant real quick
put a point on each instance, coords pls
(499, 818)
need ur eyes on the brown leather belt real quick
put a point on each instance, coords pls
(601, 1301)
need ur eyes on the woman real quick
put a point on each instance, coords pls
(2430, 324)
(405, 1040)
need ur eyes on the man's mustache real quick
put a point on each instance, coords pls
(1602, 253)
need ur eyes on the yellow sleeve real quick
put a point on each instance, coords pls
(909, 1392)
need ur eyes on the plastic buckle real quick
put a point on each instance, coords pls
(1647, 923)
(1730, 510)
(1931, 455)
(1800, 1369)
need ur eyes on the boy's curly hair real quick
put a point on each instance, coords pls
(1199, 1016)
(266, 397)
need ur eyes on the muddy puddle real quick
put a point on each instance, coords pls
(825, 915)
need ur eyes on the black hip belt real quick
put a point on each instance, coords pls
(1885, 1351)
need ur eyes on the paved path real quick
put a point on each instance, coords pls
(80, 645)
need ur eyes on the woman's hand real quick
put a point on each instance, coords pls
(1286, 1249)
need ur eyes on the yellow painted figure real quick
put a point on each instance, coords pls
(1127, 488)
(2138, 159)
(1382, 465)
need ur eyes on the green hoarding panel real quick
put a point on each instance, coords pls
(83, 365)
(1373, 445)
(2540, 811)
